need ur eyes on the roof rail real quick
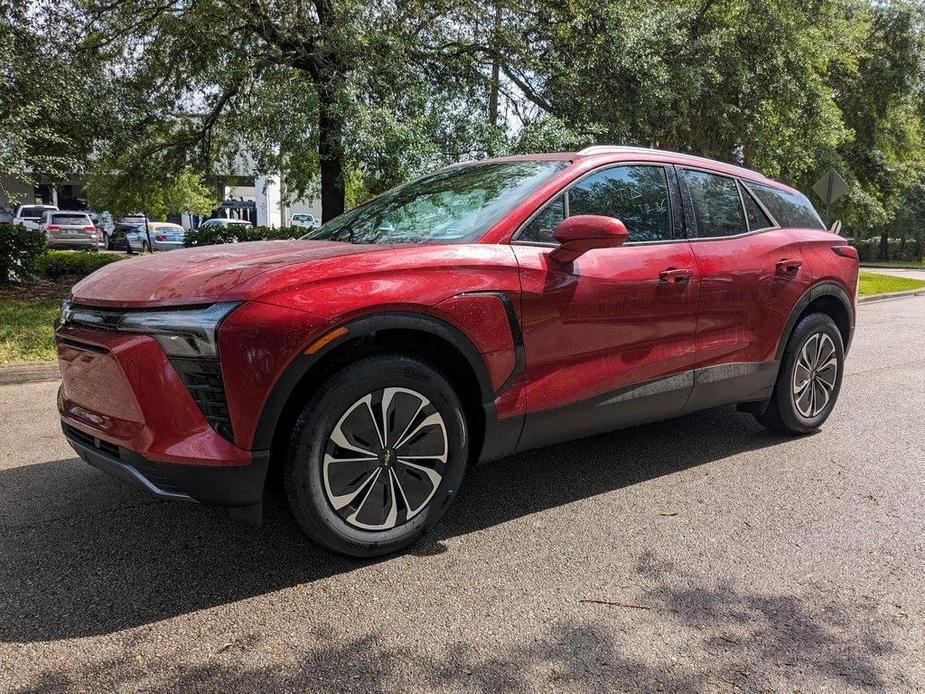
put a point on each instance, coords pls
(621, 149)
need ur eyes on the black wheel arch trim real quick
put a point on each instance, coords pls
(366, 326)
(825, 288)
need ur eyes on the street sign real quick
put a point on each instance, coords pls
(830, 188)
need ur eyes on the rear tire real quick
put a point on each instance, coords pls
(355, 493)
(809, 379)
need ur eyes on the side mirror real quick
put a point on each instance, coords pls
(584, 232)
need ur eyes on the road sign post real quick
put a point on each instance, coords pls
(830, 188)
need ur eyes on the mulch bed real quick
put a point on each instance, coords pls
(40, 289)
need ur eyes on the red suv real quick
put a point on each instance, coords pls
(485, 309)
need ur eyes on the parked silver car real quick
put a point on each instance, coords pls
(69, 230)
(164, 237)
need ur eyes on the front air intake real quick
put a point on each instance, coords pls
(202, 377)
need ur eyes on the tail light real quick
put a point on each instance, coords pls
(90, 229)
(53, 227)
(160, 237)
(845, 251)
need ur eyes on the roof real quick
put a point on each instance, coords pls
(606, 153)
(693, 160)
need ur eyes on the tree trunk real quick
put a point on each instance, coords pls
(495, 85)
(331, 154)
(885, 246)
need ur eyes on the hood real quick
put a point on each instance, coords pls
(198, 275)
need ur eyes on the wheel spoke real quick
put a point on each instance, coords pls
(366, 482)
(419, 489)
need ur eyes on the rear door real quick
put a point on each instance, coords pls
(751, 276)
(609, 338)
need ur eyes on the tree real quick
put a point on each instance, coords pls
(123, 195)
(53, 104)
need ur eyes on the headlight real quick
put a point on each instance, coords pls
(181, 332)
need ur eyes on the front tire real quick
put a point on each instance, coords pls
(377, 456)
(809, 379)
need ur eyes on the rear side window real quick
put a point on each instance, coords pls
(717, 205)
(756, 217)
(789, 209)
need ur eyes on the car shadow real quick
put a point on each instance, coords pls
(82, 555)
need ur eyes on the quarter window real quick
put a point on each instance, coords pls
(790, 209)
(542, 226)
(717, 205)
(757, 219)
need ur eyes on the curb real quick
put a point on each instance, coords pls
(12, 374)
(892, 295)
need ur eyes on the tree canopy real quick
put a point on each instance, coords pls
(346, 98)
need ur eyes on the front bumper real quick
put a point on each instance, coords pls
(216, 486)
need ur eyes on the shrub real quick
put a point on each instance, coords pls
(19, 248)
(57, 264)
(236, 233)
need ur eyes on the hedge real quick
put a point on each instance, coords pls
(897, 249)
(19, 249)
(57, 264)
(238, 233)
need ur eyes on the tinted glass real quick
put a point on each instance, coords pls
(455, 205)
(636, 195)
(790, 209)
(757, 219)
(32, 211)
(542, 226)
(716, 204)
(59, 218)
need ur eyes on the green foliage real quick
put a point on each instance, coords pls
(55, 101)
(239, 234)
(126, 191)
(19, 250)
(57, 264)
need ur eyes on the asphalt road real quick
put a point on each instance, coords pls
(701, 554)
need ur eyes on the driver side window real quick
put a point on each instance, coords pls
(637, 195)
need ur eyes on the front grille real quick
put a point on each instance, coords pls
(91, 441)
(203, 379)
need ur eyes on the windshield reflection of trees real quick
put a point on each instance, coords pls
(456, 205)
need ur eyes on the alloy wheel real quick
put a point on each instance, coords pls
(814, 375)
(385, 459)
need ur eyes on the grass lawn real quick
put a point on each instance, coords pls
(26, 330)
(874, 283)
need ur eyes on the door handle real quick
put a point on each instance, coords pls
(787, 267)
(675, 275)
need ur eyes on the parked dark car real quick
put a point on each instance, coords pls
(482, 310)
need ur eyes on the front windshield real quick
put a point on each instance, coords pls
(455, 205)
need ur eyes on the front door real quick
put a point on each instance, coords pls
(609, 338)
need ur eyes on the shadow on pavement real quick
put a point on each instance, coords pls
(722, 639)
(99, 566)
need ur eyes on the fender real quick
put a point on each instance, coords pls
(825, 288)
(365, 327)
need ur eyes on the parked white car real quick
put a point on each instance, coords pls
(303, 219)
(69, 230)
(30, 216)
